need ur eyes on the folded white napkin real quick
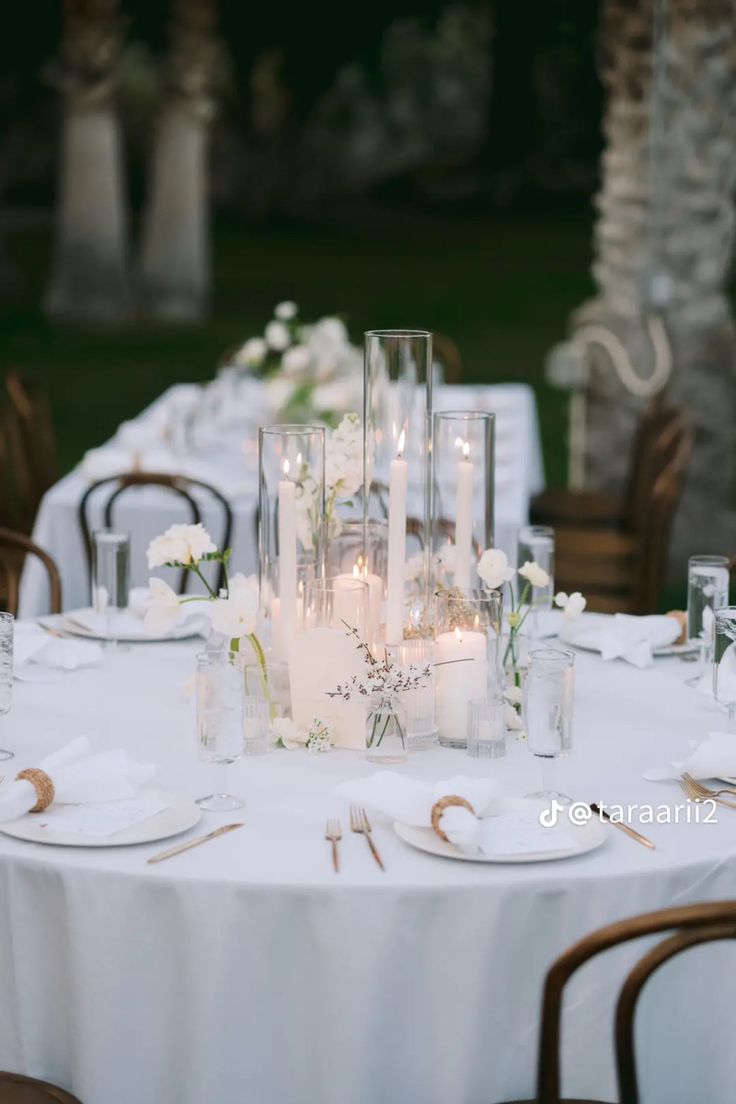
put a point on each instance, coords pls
(622, 636)
(128, 623)
(715, 757)
(36, 652)
(79, 777)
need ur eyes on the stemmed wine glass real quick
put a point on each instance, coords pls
(7, 629)
(549, 691)
(724, 661)
(220, 700)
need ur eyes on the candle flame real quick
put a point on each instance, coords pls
(299, 459)
(466, 450)
(463, 446)
(476, 622)
(402, 442)
(458, 635)
(286, 467)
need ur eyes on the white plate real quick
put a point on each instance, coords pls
(568, 633)
(66, 623)
(574, 840)
(183, 813)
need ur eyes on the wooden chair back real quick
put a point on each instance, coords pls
(14, 547)
(31, 440)
(180, 485)
(15, 1088)
(655, 443)
(446, 353)
(692, 925)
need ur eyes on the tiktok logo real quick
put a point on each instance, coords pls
(548, 817)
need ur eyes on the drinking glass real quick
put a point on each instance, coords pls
(256, 724)
(110, 576)
(486, 728)
(220, 727)
(707, 591)
(724, 661)
(536, 544)
(549, 690)
(7, 628)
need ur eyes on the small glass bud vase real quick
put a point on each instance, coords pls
(385, 730)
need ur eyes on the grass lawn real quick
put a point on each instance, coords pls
(501, 287)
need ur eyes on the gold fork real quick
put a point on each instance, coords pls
(698, 792)
(359, 823)
(333, 833)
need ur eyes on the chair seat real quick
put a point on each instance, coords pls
(17, 1089)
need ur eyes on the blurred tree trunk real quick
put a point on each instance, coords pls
(90, 274)
(175, 272)
(664, 241)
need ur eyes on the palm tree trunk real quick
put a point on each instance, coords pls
(90, 273)
(664, 241)
(175, 273)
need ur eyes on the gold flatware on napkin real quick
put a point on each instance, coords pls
(696, 791)
(333, 833)
(625, 828)
(359, 823)
(193, 843)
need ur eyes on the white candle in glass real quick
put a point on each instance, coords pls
(375, 597)
(320, 659)
(287, 560)
(396, 546)
(461, 674)
(464, 517)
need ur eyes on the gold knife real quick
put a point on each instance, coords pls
(193, 843)
(626, 828)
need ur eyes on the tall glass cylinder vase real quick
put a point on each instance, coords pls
(328, 652)
(291, 505)
(397, 445)
(462, 495)
(467, 627)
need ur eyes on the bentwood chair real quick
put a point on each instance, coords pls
(689, 926)
(180, 485)
(17, 1089)
(14, 547)
(30, 442)
(615, 551)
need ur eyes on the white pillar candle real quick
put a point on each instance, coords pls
(458, 682)
(287, 559)
(464, 519)
(375, 598)
(347, 603)
(319, 660)
(396, 547)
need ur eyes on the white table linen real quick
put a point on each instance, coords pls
(246, 970)
(233, 469)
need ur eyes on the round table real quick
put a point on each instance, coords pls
(247, 970)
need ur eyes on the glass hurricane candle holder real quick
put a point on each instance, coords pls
(397, 446)
(421, 721)
(467, 626)
(359, 550)
(291, 512)
(462, 495)
(536, 544)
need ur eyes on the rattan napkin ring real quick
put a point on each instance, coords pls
(42, 784)
(439, 807)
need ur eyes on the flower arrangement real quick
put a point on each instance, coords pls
(343, 479)
(311, 369)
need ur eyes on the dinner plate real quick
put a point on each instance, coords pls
(67, 623)
(182, 813)
(573, 840)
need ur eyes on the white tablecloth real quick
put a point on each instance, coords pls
(246, 970)
(145, 513)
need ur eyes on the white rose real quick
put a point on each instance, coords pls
(252, 353)
(236, 616)
(164, 609)
(331, 330)
(286, 310)
(184, 544)
(279, 392)
(513, 720)
(295, 360)
(572, 605)
(287, 733)
(494, 569)
(534, 574)
(277, 336)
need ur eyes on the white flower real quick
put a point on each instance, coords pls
(277, 336)
(512, 718)
(287, 733)
(251, 354)
(164, 609)
(572, 605)
(494, 569)
(279, 392)
(535, 574)
(236, 616)
(286, 310)
(344, 457)
(331, 330)
(513, 694)
(181, 544)
(295, 360)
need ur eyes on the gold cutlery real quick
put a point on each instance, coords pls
(625, 828)
(333, 833)
(193, 843)
(359, 823)
(696, 791)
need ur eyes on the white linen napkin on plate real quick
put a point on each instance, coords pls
(633, 639)
(715, 757)
(36, 653)
(128, 623)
